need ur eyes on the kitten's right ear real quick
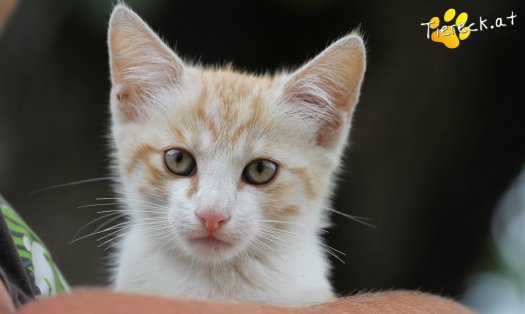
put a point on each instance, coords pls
(141, 63)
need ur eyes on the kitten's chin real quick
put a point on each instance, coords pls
(211, 242)
(211, 249)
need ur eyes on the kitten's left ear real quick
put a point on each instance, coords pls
(326, 89)
(141, 63)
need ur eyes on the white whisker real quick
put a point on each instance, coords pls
(281, 236)
(92, 222)
(117, 226)
(354, 218)
(128, 199)
(56, 186)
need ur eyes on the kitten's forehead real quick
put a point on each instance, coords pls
(228, 111)
(230, 85)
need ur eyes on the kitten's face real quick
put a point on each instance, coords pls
(215, 163)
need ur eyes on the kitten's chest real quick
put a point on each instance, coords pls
(247, 281)
(144, 269)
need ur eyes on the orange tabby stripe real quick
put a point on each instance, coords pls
(291, 210)
(157, 176)
(203, 116)
(177, 133)
(140, 154)
(255, 116)
(305, 178)
(194, 186)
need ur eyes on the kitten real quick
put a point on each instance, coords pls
(226, 175)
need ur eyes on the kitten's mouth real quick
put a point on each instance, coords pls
(211, 241)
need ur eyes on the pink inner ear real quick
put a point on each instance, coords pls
(327, 116)
(139, 80)
(327, 132)
(328, 87)
(129, 101)
(141, 63)
(325, 101)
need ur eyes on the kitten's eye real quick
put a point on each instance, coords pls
(259, 171)
(179, 162)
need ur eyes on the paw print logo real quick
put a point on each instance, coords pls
(450, 35)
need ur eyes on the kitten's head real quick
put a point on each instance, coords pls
(216, 163)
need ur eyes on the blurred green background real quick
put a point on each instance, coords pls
(438, 137)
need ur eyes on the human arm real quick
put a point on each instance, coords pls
(113, 303)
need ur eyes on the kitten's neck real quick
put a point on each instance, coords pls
(284, 274)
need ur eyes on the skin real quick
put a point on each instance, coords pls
(6, 8)
(6, 306)
(102, 302)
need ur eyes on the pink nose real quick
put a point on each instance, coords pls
(212, 221)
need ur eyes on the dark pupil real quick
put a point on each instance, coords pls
(260, 166)
(178, 157)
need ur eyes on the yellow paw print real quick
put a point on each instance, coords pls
(452, 34)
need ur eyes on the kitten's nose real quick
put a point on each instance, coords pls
(212, 221)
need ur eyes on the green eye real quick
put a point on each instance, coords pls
(259, 171)
(180, 162)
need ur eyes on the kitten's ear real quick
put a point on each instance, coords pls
(141, 63)
(326, 89)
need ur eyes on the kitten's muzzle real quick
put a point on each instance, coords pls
(212, 220)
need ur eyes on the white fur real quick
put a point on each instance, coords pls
(290, 276)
